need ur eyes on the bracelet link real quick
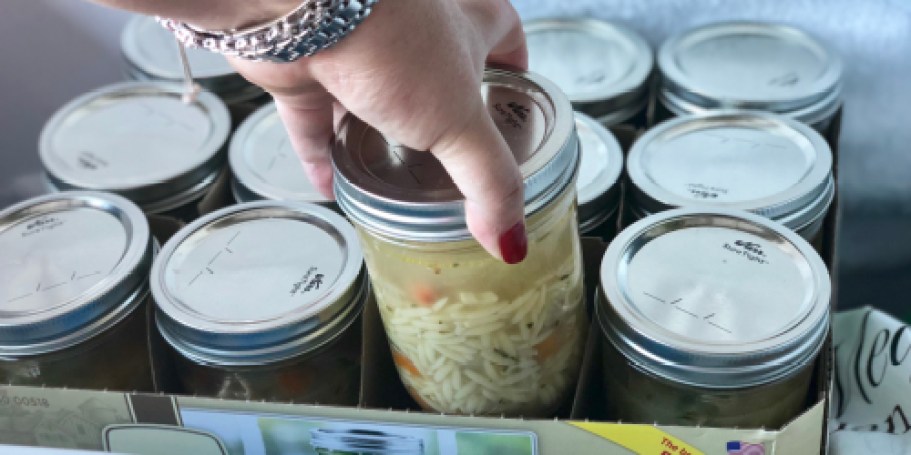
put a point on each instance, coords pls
(312, 27)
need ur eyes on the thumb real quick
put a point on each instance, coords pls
(484, 169)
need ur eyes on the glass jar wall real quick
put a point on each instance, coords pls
(472, 335)
(469, 333)
(261, 301)
(710, 317)
(75, 312)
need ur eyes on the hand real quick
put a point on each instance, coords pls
(413, 71)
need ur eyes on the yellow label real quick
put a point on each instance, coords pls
(641, 439)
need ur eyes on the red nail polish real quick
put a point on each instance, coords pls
(514, 244)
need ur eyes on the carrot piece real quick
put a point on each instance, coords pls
(548, 346)
(424, 294)
(403, 362)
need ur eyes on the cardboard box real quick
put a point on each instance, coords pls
(85, 419)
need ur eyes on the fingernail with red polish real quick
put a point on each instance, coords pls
(514, 244)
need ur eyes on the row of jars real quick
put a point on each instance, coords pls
(166, 156)
(137, 140)
(708, 317)
(606, 69)
(256, 301)
(701, 310)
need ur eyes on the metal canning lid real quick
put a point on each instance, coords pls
(263, 163)
(597, 187)
(151, 53)
(714, 298)
(73, 264)
(258, 283)
(750, 65)
(756, 161)
(365, 441)
(390, 189)
(602, 67)
(139, 140)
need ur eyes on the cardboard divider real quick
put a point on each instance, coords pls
(626, 135)
(163, 377)
(829, 251)
(589, 393)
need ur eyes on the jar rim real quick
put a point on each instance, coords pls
(434, 212)
(609, 164)
(807, 97)
(815, 114)
(616, 97)
(795, 204)
(304, 321)
(267, 355)
(680, 349)
(40, 330)
(143, 188)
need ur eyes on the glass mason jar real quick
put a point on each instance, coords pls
(264, 166)
(74, 290)
(712, 318)
(141, 141)
(598, 185)
(750, 65)
(746, 160)
(326, 441)
(261, 301)
(469, 333)
(604, 68)
(151, 54)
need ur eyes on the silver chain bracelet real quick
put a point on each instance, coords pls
(313, 26)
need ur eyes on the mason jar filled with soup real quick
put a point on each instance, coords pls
(750, 65)
(73, 293)
(326, 441)
(264, 166)
(755, 161)
(469, 333)
(598, 187)
(261, 301)
(710, 318)
(152, 54)
(139, 140)
(603, 67)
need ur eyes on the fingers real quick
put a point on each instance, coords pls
(476, 156)
(306, 109)
(511, 50)
(310, 127)
(426, 94)
(485, 171)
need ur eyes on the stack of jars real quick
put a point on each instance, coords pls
(710, 299)
(470, 334)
